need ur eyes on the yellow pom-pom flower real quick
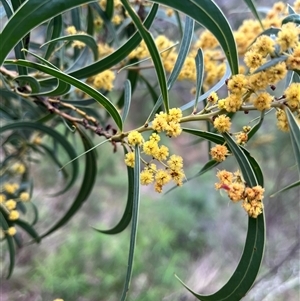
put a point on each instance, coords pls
(135, 138)
(222, 123)
(129, 159)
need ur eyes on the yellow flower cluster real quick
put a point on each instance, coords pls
(222, 123)
(219, 152)
(237, 191)
(168, 123)
(104, 80)
(173, 164)
(9, 197)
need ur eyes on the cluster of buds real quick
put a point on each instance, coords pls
(172, 165)
(11, 193)
(237, 191)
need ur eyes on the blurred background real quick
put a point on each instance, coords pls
(192, 231)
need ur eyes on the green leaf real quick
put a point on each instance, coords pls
(132, 76)
(85, 38)
(294, 134)
(294, 18)
(245, 274)
(200, 71)
(26, 79)
(28, 228)
(216, 87)
(127, 99)
(208, 14)
(53, 31)
(256, 127)
(182, 54)
(10, 244)
(297, 183)
(90, 173)
(254, 11)
(127, 215)
(216, 138)
(28, 16)
(18, 48)
(109, 9)
(134, 225)
(101, 99)
(242, 160)
(22, 125)
(117, 56)
(150, 43)
(90, 21)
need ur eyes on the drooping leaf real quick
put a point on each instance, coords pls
(127, 215)
(59, 138)
(182, 54)
(53, 31)
(100, 98)
(85, 38)
(28, 228)
(134, 224)
(154, 53)
(86, 187)
(117, 56)
(216, 87)
(10, 243)
(254, 11)
(208, 14)
(28, 16)
(32, 81)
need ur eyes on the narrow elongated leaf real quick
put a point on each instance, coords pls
(290, 10)
(254, 11)
(127, 99)
(294, 18)
(28, 228)
(132, 76)
(53, 31)
(10, 243)
(26, 79)
(28, 16)
(117, 56)
(18, 48)
(216, 138)
(85, 38)
(242, 160)
(256, 127)
(134, 225)
(297, 183)
(294, 134)
(127, 215)
(208, 14)
(21, 125)
(149, 41)
(216, 87)
(199, 72)
(100, 98)
(109, 9)
(86, 187)
(245, 274)
(182, 54)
